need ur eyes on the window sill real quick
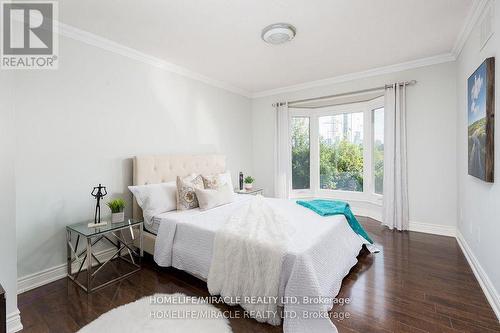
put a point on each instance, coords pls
(362, 204)
(358, 197)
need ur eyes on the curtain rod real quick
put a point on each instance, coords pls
(387, 86)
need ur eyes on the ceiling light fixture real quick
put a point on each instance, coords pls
(278, 33)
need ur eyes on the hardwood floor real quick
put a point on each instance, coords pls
(417, 283)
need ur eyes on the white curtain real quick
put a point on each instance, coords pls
(395, 207)
(282, 152)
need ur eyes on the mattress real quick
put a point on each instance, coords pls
(185, 241)
(179, 215)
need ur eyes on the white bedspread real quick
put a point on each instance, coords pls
(320, 253)
(248, 256)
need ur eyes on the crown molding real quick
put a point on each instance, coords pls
(109, 45)
(473, 17)
(117, 48)
(439, 59)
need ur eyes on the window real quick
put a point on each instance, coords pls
(301, 153)
(338, 151)
(341, 152)
(378, 150)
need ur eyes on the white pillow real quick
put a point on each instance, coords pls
(155, 199)
(208, 198)
(225, 178)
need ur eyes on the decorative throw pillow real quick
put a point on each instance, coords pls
(211, 182)
(195, 179)
(209, 198)
(186, 196)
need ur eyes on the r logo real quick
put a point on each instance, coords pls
(29, 35)
(27, 28)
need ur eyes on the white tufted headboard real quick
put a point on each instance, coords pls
(154, 169)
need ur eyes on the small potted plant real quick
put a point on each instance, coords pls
(117, 206)
(249, 182)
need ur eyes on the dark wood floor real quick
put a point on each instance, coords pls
(417, 283)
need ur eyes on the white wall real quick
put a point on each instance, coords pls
(478, 201)
(431, 138)
(80, 125)
(8, 269)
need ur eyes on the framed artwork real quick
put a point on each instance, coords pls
(481, 121)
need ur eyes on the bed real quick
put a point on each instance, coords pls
(320, 254)
(154, 169)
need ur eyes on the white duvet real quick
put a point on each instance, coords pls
(318, 255)
(247, 259)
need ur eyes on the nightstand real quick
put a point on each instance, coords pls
(254, 191)
(110, 233)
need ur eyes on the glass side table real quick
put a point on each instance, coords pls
(112, 233)
(254, 191)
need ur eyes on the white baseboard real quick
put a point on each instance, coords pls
(367, 212)
(484, 281)
(41, 278)
(435, 229)
(375, 212)
(14, 322)
(52, 274)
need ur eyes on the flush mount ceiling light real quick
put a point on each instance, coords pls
(278, 33)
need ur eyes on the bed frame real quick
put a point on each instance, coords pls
(154, 169)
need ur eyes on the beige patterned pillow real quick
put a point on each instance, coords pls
(186, 196)
(211, 182)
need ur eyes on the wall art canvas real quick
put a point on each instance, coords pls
(481, 121)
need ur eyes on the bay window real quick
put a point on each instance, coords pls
(301, 153)
(378, 150)
(337, 151)
(341, 152)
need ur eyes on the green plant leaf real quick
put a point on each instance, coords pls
(116, 205)
(249, 180)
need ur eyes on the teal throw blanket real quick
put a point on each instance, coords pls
(331, 207)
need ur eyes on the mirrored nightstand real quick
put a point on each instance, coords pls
(111, 233)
